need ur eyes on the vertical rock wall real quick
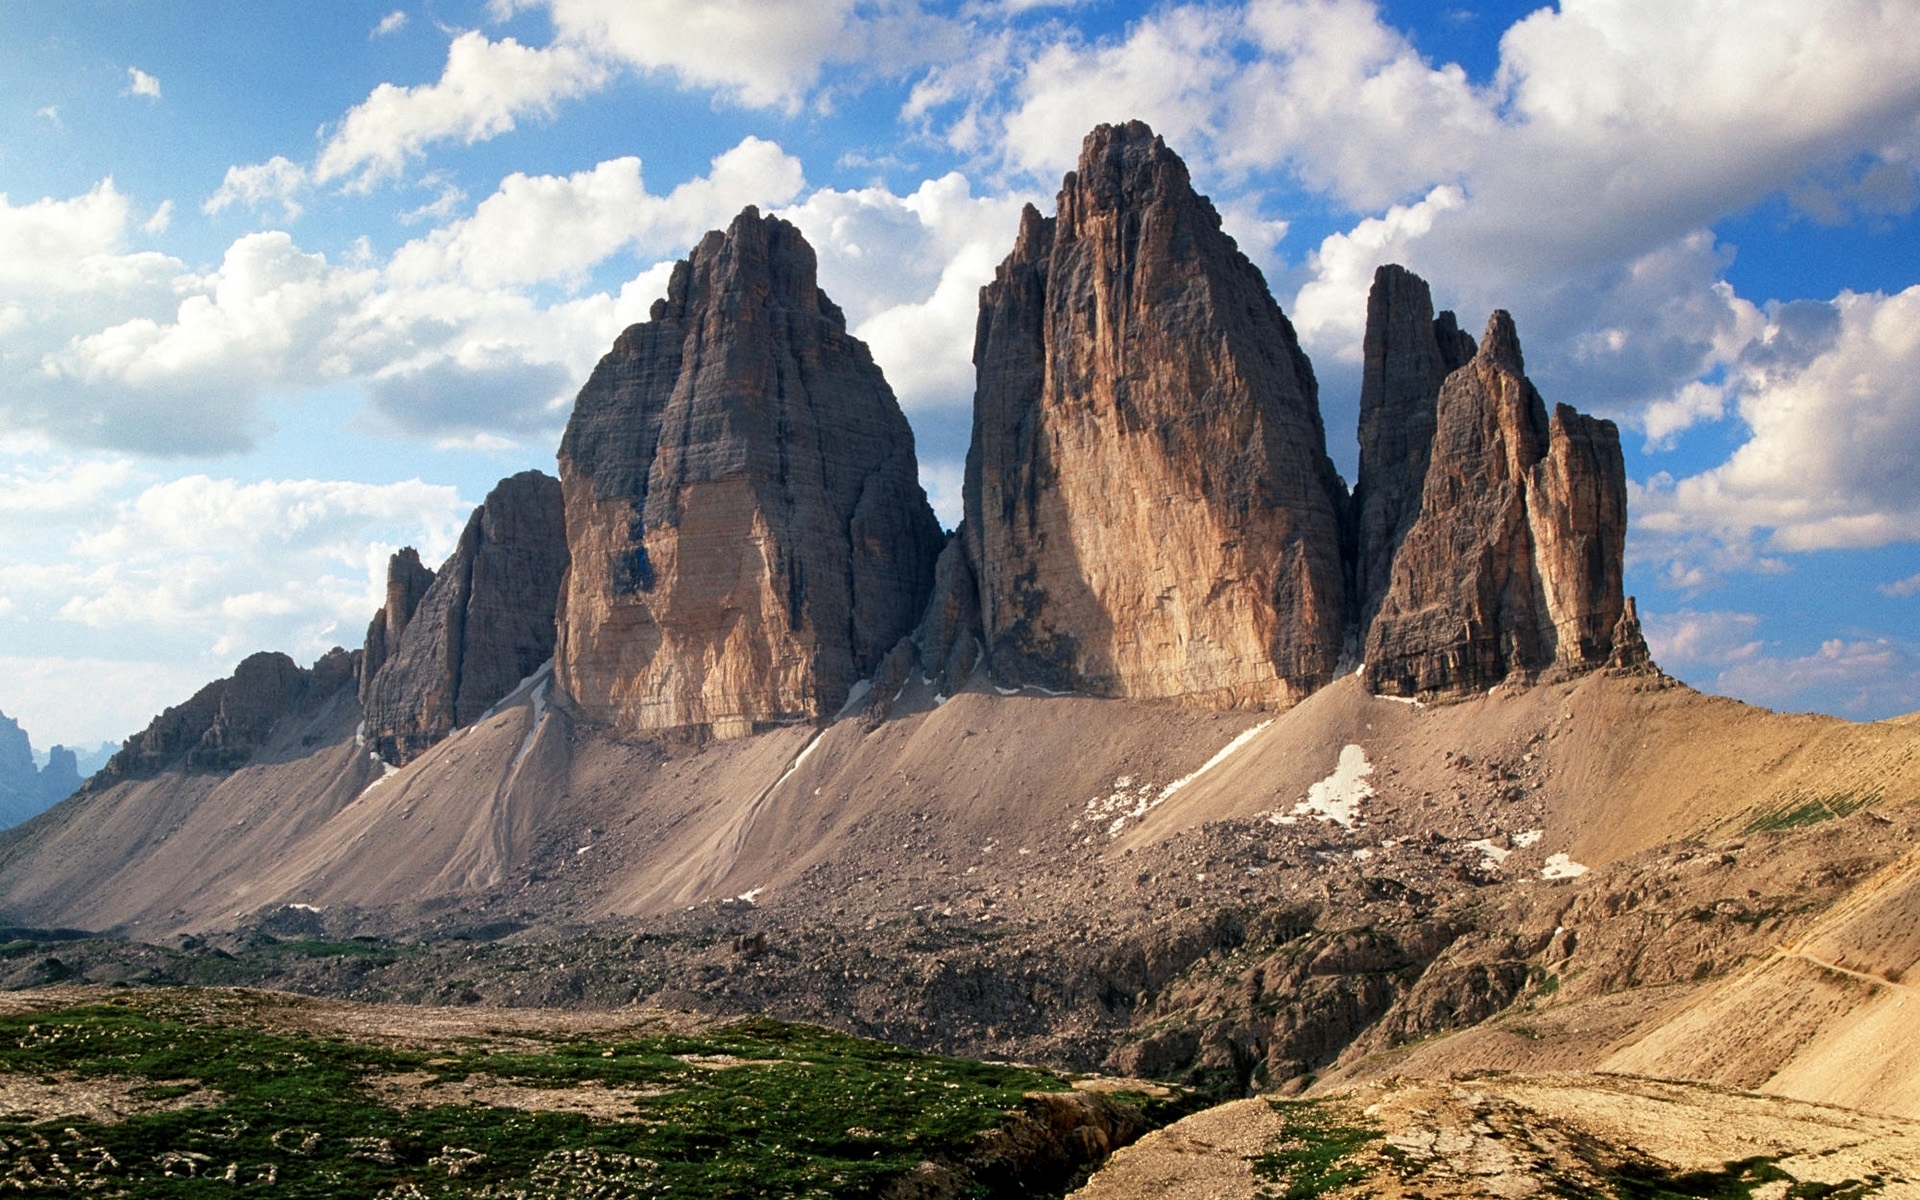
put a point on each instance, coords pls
(1512, 567)
(485, 622)
(747, 527)
(1150, 511)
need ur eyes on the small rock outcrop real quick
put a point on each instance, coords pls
(407, 582)
(484, 623)
(749, 535)
(1512, 567)
(1150, 510)
(226, 722)
(1409, 352)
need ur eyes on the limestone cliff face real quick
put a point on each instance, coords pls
(1409, 353)
(485, 622)
(221, 726)
(748, 532)
(1512, 567)
(1150, 511)
(407, 582)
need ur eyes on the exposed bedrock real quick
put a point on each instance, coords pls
(1408, 354)
(221, 726)
(1150, 511)
(407, 582)
(485, 622)
(749, 536)
(1511, 568)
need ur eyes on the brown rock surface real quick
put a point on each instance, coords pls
(748, 530)
(1512, 568)
(1408, 354)
(1149, 507)
(407, 582)
(485, 623)
(221, 726)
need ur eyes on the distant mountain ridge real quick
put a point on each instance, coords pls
(26, 788)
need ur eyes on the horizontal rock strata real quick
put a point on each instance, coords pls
(485, 622)
(749, 536)
(1150, 511)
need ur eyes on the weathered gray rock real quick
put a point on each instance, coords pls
(1409, 353)
(485, 623)
(1150, 511)
(407, 582)
(226, 722)
(748, 529)
(1512, 567)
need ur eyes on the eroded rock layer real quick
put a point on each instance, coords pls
(1150, 511)
(1512, 567)
(749, 534)
(1409, 352)
(485, 623)
(221, 726)
(407, 582)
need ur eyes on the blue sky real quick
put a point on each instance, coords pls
(285, 287)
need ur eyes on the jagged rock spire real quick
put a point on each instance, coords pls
(1150, 511)
(748, 531)
(1512, 567)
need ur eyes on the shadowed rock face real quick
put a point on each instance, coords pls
(485, 623)
(1150, 511)
(225, 722)
(749, 536)
(407, 582)
(1512, 567)
(1408, 354)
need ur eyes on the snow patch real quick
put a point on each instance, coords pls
(1006, 691)
(539, 717)
(1132, 799)
(1561, 866)
(1402, 700)
(1530, 838)
(537, 680)
(750, 896)
(856, 696)
(304, 907)
(360, 736)
(386, 769)
(1491, 854)
(795, 764)
(1337, 797)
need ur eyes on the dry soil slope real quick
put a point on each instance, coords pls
(633, 828)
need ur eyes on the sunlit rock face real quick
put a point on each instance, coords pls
(1150, 510)
(1511, 568)
(484, 623)
(747, 528)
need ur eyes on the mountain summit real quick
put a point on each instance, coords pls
(1150, 510)
(743, 507)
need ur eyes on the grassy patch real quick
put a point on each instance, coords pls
(1315, 1154)
(754, 1108)
(1735, 1181)
(1802, 810)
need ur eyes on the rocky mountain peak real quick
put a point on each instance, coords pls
(1150, 511)
(1510, 566)
(748, 531)
(407, 582)
(483, 623)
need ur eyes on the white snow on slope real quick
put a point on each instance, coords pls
(1561, 866)
(1337, 797)
(1138, 798)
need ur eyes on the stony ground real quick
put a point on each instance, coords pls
(1517, 1136)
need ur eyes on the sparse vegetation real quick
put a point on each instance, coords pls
(751, 1108)
(1317, 1153)
(1802, 809)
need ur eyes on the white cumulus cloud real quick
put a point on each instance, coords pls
(484, 90)
(139, 83)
